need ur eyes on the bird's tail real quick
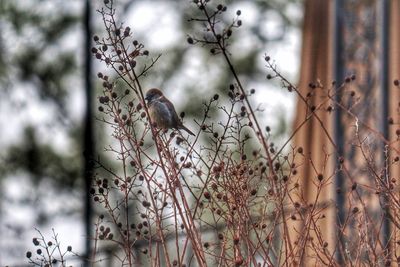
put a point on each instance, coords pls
(187, 130)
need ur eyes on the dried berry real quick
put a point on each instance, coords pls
(127, 31)
(354, 186)
(35, 241)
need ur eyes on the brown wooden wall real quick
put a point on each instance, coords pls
(316, 135)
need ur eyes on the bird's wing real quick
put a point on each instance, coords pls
(175, 121)
(160, 114)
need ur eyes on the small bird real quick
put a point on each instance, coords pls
(162, 111)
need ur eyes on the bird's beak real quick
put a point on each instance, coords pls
(147, 98)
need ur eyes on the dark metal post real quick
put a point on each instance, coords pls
(338, 128)
(384, 104)
(88, 134)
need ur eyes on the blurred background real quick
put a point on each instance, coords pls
(45, 118)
